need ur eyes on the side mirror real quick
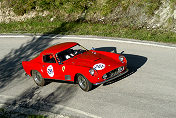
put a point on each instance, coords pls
(122, 52)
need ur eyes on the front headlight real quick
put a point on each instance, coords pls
(91, 71)
(121, 58)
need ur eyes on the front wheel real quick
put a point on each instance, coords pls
(38, 79)
(84, 83)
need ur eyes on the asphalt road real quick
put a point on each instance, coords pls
(148, 90)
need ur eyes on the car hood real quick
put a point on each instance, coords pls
(92, 59)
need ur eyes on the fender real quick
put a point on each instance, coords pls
(28, 67)
(80, 70)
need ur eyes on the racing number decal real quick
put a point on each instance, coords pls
(99, 66)
(50, 71)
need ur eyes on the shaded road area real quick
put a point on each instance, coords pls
(147, 90)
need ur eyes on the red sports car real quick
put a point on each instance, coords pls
(72, 62)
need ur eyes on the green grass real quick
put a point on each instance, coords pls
(45, 26)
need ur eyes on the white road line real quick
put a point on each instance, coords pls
(90, 38)
(78, 111)
(4, 98)
(14, 36)
(121, 41)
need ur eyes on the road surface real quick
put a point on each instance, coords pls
(147, 91)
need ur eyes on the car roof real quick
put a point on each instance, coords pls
(59, 47)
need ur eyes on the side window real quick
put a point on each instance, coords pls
(48, 59)
(61, 57)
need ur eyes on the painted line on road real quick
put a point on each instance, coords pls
(13, 36)
(4, 99)
(120, 40)
(78, 111)
(117, 40)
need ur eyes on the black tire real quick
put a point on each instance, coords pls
(38, 79)
(84, 83)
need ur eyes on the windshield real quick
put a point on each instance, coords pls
(70, 53)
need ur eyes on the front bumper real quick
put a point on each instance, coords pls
(113, 77)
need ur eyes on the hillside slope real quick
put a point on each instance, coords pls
(157, 14)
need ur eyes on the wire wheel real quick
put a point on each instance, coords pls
(84, 83)
(38, 79)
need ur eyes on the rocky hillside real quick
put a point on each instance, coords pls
(151, 14)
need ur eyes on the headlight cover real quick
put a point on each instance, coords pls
(121, 58)
(91, 71)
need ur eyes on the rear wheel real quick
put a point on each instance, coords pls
(84, 83)
(38, 79)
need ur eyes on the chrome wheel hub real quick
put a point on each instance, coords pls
(37, 78)
(82, 82)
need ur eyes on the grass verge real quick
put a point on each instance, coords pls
(45, 26)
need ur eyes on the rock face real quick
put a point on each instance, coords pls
(163, 18)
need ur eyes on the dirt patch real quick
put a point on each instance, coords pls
(7, 15)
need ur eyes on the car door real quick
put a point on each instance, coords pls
(51, 68)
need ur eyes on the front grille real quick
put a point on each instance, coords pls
(115, 72)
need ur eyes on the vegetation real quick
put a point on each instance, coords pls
(102, 7)
(44, 25)
(88, 17)
(23, 6)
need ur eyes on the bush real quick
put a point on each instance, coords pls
(23, 6)
(71, 6)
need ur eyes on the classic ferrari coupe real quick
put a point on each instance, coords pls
(72, 62)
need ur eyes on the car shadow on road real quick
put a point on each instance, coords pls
(12, 71)
(134, 62)
(11, 64)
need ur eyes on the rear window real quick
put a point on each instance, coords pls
(49, 58)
